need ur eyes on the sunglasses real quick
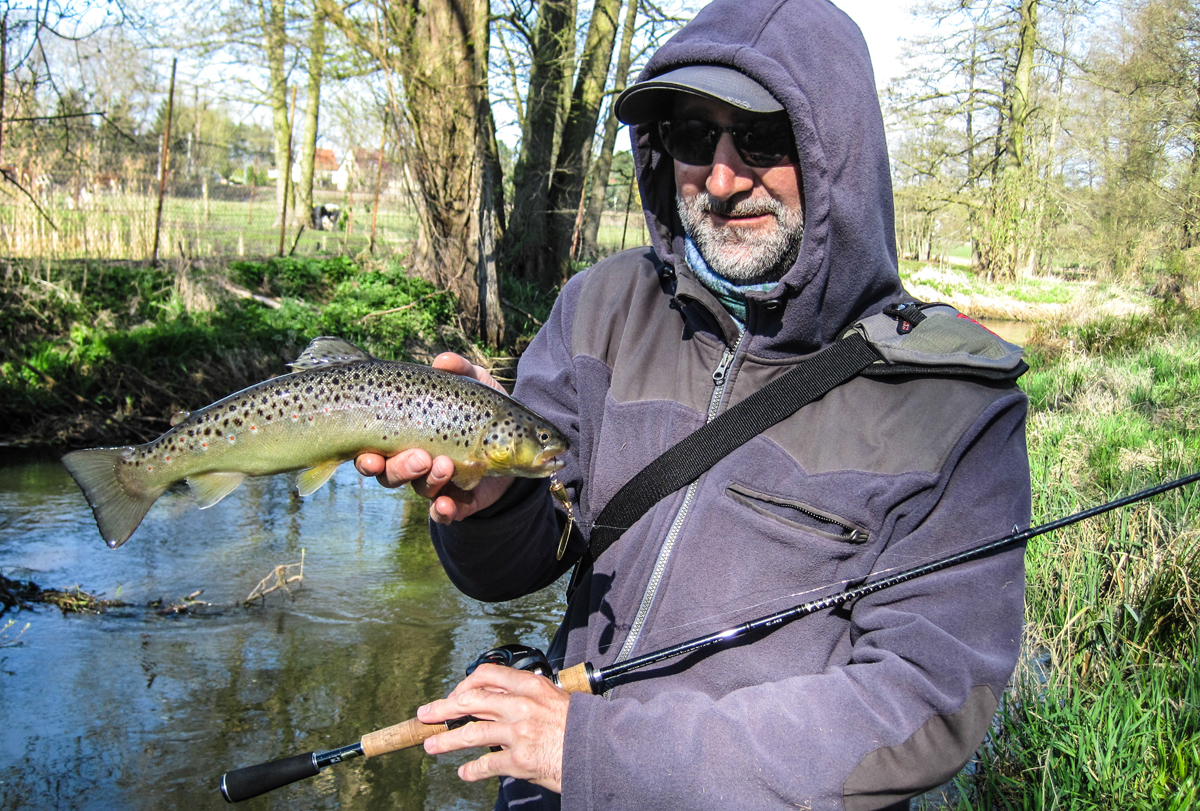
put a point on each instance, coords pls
(763, 143)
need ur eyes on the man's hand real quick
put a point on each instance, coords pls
(430, 477)
(520, 711)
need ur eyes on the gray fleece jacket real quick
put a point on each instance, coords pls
(851, 708)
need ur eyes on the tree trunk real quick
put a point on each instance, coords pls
(525, 246)
(1001, 246)
(575, 151)
(308, 141)
(273, 21)
(599, 190)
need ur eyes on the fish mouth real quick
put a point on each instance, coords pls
(547, 457)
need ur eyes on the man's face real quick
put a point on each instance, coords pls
(748, 222)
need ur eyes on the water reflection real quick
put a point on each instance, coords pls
(1016, 332)
(136, 710)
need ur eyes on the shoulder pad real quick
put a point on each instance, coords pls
(937, 339)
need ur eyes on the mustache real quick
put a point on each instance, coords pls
(744, 207)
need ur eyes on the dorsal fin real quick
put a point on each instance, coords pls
(328, 351)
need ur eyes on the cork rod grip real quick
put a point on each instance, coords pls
(399, 736)
(575, 679)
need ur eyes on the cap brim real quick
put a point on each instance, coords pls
(653, 99)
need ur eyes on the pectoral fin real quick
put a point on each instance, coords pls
(209, 488)
(311, 480)
(467, 474)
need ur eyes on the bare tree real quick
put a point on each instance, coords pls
(603, 163)
(438, 54)
(312, 105)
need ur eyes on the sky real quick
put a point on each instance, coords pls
(884, 23)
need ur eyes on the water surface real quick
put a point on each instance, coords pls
(140, 709)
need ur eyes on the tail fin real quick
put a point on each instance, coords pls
(118, 511)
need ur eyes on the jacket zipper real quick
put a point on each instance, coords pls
(664, 553)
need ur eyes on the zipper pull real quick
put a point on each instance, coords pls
(719, 375)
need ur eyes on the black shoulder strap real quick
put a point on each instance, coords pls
(686, 461)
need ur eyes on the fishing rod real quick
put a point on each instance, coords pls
(251, 781)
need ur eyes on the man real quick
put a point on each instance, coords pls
(764, 177)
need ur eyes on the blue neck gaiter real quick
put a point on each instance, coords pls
(732, 296)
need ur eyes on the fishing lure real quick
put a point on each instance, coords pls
(560, 492)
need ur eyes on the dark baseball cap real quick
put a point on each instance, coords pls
(651, 100)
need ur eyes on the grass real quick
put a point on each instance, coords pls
(121, 226)
(95, 351)
(1104, 712)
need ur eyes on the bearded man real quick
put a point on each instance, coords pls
(764, 176)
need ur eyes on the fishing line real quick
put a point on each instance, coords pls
(903, 561)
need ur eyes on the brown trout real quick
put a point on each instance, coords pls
(339, 402)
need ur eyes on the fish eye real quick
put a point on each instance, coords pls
(543, 436)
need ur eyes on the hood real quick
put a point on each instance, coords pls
(813, 59)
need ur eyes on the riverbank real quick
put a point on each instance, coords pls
(1048, 301)
(107, 352)
(1104, 711)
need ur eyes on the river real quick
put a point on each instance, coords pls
(141, 707)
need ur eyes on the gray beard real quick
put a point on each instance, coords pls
(734, 254)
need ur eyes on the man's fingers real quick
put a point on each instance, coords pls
(522, 712)
(457, 364)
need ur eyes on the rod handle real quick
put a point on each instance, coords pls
(399, 736)
(242, 784)
(577, 679)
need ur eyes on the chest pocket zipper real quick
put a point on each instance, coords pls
(799, 515)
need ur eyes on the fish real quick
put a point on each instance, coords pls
(338, 402)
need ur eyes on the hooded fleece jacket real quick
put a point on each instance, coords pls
(854, 708)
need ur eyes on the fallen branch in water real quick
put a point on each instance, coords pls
(5, 642)
(281, 579)
(22, 594)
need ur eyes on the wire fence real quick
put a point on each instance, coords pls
(220, 201)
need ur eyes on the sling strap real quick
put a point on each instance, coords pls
(687, 460)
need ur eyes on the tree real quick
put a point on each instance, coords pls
(982, 78)
(574, 155)
(438, 51)
(312, 104)
(523, 247)
(603, 162)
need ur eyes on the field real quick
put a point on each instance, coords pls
(234, 221)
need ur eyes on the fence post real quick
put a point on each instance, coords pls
(166, 160)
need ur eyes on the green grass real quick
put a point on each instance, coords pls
(102, 351)
(1047, 290)
(1105, 712)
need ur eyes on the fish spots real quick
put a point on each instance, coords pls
(232, 438)
(295, 417)
(253, 429)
